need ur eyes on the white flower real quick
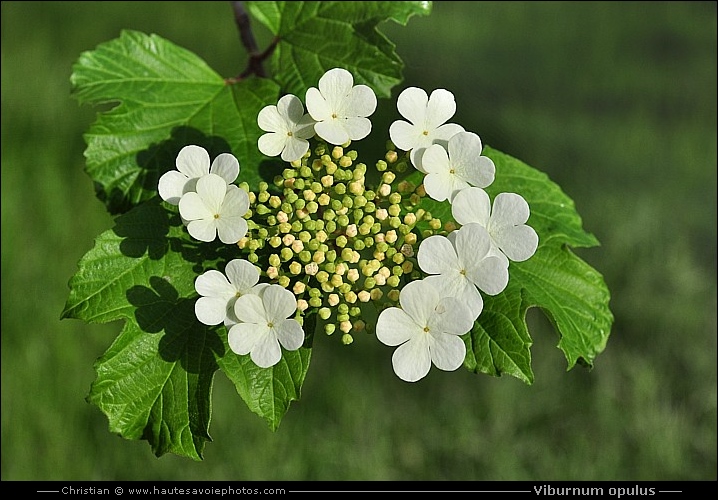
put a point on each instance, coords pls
(215, 209)
(506, 223)
(192, 163)
(457, 167)
(219, 292)
(428, 116)
(288, 127)
(426, 329)
(264, 326)
(340, 107)
(461, 263)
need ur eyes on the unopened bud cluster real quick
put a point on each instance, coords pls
(336, 241)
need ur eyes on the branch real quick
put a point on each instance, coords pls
(246, 36)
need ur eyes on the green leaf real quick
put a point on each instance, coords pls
(168, 98)
(314, 37)
(154, 382)
(157, 386)
(570, 292)
(268, 391)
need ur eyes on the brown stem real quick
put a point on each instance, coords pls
(255, 65)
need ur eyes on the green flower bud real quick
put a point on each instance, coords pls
(305, 256)
(274, 260)
(253, 258)
(369, 283)
(381, 165)
(295, 268)
(345, 161)
(284, 281)
(315, 301)
(325, 313)
(330, 328)
(275, 241)
(286, 254)
(346, 338)
(392, 281)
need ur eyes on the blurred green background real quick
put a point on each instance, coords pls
(616, 101)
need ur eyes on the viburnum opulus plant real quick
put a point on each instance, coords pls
(250, 225)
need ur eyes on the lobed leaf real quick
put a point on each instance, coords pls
(165, 98)
(314, 37)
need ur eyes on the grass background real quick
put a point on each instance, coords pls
(616, 101)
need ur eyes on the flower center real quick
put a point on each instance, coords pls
(462, 272)
(216, 216)
(426, 329)
(290, 133)
(452, 171)
(270, 324)
(334, 116)
(425, 132)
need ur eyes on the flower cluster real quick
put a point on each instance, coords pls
(332, 237)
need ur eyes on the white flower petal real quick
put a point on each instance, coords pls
(471, 205)
(226, 166)
(480, 173)
(411, 360)
(213, 283)
(290, 108)
(270, 120)
(443, 134)
(193, 161)
(411, 104)
(394, 327)
(295, 148)
(461, 288)
(290, 334)
(404, 135)
(452, 317)
(171, 186)
(472, 243)
(517, 242)
(436, 255)
(335, 85)
(242, 274)
(192, 207)
(304, 128)
(510, 209)
(272, 143)
(332, 131)
(447, 351)
(490, 274)
(210, 310)
(202, 230)
(357, 128)
(419, 299)
(361, 101)
(249, 308)
(266, 352)
(231, 229)
(317, 105)
(242, 337)
(435, 160)
(212, 188)
(441, 186)
(279, 302)
(439, 109)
